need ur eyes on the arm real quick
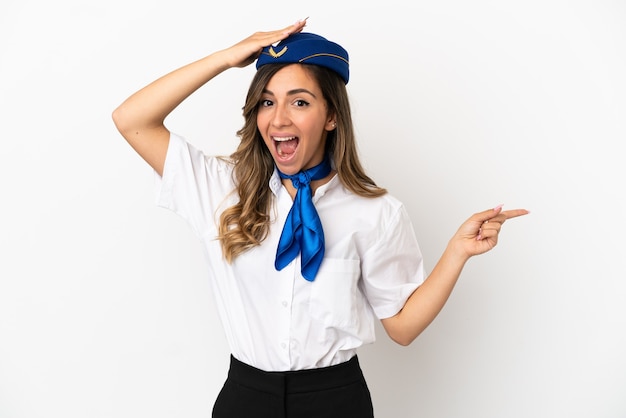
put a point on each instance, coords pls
(477, 235)
(140, 118)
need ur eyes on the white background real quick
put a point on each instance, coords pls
(459, 106)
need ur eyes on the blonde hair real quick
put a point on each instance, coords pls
(246, 224)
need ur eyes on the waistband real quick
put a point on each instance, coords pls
(310, 380)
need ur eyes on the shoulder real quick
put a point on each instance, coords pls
(378, 213)
(383, 205)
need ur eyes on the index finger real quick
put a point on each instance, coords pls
(514, 213)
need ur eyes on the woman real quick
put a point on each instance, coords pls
(305, 251)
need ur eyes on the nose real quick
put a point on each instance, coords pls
(280, 116)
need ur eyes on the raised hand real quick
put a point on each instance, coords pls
(247, 51)
(479, 233)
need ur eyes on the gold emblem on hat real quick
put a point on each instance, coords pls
(278, 54)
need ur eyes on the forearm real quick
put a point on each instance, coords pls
(147, 108)
(427, 301)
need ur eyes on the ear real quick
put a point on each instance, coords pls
(331, 124)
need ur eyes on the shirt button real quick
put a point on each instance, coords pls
(285, 303)
(283, 345)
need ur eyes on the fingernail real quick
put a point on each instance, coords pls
(497, 208)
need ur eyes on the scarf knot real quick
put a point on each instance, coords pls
(298, 180)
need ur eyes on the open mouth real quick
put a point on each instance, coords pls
(286, 146)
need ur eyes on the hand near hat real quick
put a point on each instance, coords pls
(248, 50)
(140, 118)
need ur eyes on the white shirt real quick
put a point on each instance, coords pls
(277, 320)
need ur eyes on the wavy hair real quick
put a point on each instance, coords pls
(246, 224)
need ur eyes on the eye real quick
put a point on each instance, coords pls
(265, 103)
(301, 103)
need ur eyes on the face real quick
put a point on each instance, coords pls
(293, 119)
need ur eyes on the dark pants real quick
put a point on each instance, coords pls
(337, 391)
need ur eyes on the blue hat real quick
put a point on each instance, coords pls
(307, 48)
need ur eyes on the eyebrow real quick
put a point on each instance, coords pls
(292, 92)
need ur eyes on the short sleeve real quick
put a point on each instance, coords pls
(193, 185)
(393, 267)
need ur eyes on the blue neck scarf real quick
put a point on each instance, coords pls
(303, 232)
